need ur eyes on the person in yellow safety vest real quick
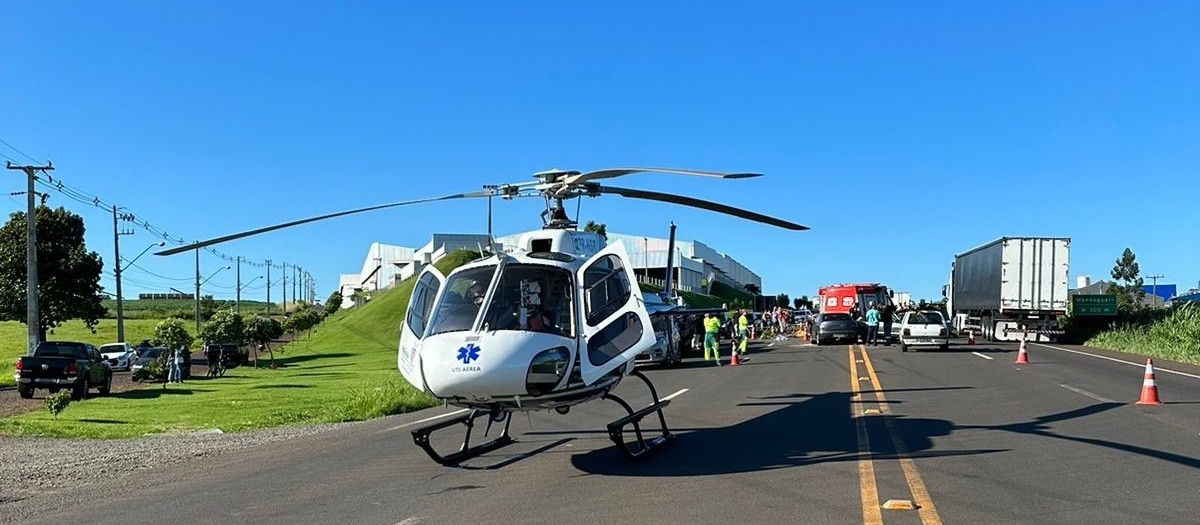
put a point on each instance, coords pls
(743, 331)
(711, 350)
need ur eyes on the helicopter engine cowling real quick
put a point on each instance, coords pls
(498, 365)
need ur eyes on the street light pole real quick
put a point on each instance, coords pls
(117, 271)
(198, 283)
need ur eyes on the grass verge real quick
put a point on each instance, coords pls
(345, 370)
(1175, 337)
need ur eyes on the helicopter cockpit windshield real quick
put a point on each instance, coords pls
(532, 298)
(462, 300)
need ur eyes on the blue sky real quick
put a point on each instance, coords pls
(901, 133)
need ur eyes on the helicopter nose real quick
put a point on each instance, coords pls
(489, 365)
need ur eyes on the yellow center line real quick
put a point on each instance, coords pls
(928, 513)
(868, 492)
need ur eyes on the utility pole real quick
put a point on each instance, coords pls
(268, 287)
(1154, 287)
(197, 291)
(33, 323)
(237, 304)
(295, 283)
(117, 233)
(284, 289)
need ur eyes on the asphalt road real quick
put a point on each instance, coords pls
(798, 434)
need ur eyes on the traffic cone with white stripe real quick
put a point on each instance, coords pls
(1022, 359)
(1149, 388)
(971, 337)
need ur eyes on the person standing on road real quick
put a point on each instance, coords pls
(872, 325)
(743, 332)
(889, 315)
(711, 326)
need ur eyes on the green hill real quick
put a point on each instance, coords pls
(344, 370)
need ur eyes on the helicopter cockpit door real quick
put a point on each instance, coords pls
(615, 324)
(412, 330)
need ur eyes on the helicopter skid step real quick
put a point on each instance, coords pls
(616, 429)
(421, 438)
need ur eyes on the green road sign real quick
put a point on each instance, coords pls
(1094, 304)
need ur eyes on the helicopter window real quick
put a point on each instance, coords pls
(532, 298)
(606, 288)
(421, 304)
(461, 300)
(612, 340)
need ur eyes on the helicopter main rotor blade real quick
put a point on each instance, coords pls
(697, 203)
(218, 240)
(617, 172)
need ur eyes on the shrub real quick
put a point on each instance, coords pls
(56, 403)
(153, 371)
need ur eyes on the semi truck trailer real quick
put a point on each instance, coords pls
(1011, 288)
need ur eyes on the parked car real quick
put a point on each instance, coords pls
(145, 356)
(668, 348)
(833, 327)
(120, 356)
(55, 365)
(924, 328)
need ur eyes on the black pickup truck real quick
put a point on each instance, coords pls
(62, 364)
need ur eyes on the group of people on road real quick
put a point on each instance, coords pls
(879, 318)
(712, 330)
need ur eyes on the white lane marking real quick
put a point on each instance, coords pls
(985, 356)
(426, 420)
(1115, 360)
(1081, 391)
(676, 394)
(411, 521)
(770, 345)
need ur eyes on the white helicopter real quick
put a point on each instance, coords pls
(555, 322)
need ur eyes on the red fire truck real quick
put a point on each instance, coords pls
(843, 297)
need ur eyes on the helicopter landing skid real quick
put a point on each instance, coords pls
(421, 437)
(616, 429)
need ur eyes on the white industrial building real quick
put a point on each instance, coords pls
(386, 264)
(697, 265)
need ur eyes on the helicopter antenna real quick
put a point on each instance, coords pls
(578, 203)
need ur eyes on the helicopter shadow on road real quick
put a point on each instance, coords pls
(809, 429)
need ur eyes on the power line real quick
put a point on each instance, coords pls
(14, 148)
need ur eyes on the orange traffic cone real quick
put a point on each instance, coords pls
(970, 337)
(733, 359)
(1022, 359)
(1149, 389)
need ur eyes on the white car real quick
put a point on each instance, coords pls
(120, 356)
(923, 328)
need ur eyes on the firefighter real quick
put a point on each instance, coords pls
(711, 350)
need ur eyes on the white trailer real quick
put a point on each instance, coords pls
(1013, 286)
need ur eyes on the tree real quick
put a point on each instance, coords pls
(68, 275)
(802, 302)
(1129, 294)
(261, 331)
(224, 327)
(173, 334)
(302, 319)
(333, 303)
(782, 300)
(597, 227)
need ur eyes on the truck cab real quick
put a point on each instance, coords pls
(55, 365)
